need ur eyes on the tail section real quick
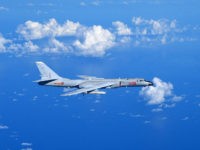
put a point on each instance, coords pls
(46, 72)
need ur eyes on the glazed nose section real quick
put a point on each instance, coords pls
(150, 83)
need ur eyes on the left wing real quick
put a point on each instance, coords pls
(89, 89)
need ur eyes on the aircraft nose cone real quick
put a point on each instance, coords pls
(150, 83)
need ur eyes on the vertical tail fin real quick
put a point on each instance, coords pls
(46, 72)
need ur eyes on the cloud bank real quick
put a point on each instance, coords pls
(95, 40)
(32, 30)
(122, 29)
(89, 41)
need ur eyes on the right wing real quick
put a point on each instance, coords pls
(89, 89)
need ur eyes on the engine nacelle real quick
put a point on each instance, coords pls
(97, 92)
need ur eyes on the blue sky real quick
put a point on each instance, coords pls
(157, 40)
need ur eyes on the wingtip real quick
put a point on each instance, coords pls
(36, 81)
(64, 95)
(38, 62)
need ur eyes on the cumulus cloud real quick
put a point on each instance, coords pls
(32, 30)
(53, 46)
(89, 41)
(151, 31)
(96, 40)
(27, 46)
(3, 42)
(30, 46)
(154, 27)
(159, 93)
(122, 29)
(56, 46)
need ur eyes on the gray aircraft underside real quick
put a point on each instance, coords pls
(85, 84)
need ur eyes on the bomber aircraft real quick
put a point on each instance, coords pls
(85, 84)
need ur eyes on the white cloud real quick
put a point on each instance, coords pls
(159, 93)
(161, 31)
(156, 94)
(3, 127)
(26, 144)
(122, 29)
(167, 105)
(27, 46)
(124, 40)
(136, 115)
(53, 46)
(31, 30)
(30, 46)
(157, 110)
(138, 20)
(26, 148)
(154, 27)
(96, 40)
(177, 98)
(56, 46)
(3, 42)
(163, 39)
(89, 41)
(34, 30)
(91, 3)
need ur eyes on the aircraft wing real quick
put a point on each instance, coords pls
(88, 77)
(89, 89)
